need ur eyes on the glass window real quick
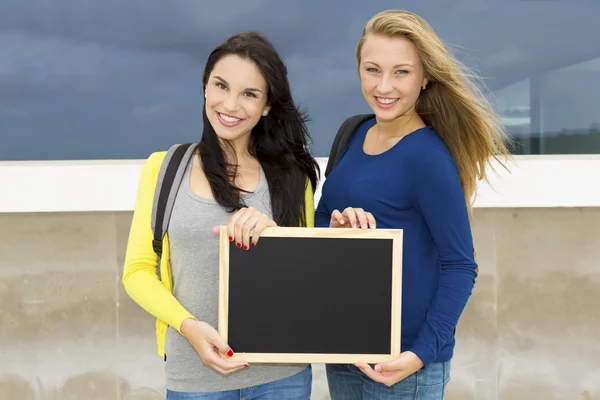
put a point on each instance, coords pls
(113, 80)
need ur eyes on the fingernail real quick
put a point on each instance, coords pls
(230, 353)
(239, 245)
(231, 238)
(245, 247)
(246, 366)
(253, 244)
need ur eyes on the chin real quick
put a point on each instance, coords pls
(386, 115)
(229, 134)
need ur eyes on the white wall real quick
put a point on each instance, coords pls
(533, 181)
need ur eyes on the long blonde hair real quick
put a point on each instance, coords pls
(452, 103)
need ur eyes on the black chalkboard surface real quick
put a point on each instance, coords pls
(312, 295)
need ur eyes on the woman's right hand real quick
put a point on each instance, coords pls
(352, 218)
(208, 344)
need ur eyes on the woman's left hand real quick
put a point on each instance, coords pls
(392, 372)
(245, 223)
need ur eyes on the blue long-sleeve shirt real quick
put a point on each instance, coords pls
(413, 186)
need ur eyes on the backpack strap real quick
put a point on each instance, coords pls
(169, 179)
(342, 138)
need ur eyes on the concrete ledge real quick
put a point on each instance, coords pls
(65, 186)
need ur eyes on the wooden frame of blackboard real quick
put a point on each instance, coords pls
(395, 317)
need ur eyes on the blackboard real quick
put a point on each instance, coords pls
(312, 295)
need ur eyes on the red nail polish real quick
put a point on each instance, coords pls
(238, 245)
(245, 247)
(253, 244)
(246, 365)
(230, 353)
(231, 238)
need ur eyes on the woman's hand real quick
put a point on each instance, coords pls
(210, 347)
(392, 372)
(247, 222)
(352, 218)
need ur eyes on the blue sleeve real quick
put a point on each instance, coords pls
(439, 198)
(322, 215)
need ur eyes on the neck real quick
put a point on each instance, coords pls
(236, 151)
(400, 126)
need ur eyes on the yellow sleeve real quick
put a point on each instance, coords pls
(140, 276)
(309, 203)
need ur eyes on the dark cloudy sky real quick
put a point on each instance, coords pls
(102, 79)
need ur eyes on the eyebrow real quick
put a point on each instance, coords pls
(247, 89)
(395, 66)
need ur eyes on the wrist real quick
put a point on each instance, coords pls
(188, 325)
(423, 353)
(417, 362)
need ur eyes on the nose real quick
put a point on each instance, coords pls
(231, 103)
(384, 85)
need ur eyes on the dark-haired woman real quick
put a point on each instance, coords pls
(251, 170)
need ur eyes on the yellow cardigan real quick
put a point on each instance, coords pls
(140, 276)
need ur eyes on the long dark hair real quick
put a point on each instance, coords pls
(279, 141)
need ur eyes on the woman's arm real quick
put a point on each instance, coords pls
(140, 276)
(143, 286)
(439, 197)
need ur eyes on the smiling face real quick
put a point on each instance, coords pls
(391, 76)
(236, 97)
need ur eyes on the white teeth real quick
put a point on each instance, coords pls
(386, 101)
(227, 118)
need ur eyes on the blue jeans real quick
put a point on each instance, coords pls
(295, 387)
(347, 382)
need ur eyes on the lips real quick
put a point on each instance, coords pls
(229, 120)
(386, 102)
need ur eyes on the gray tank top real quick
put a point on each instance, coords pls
(194, 251)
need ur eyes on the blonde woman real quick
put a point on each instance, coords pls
(413, 165)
